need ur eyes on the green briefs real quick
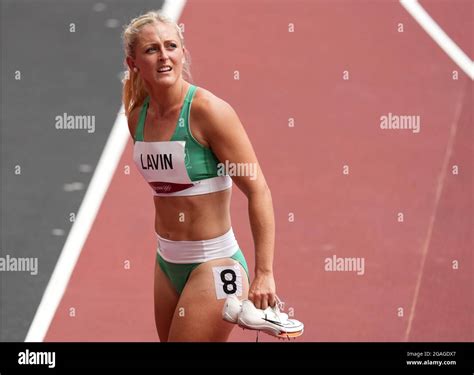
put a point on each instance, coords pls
(179, 273)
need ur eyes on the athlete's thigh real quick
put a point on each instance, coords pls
(198, 315)
(166, 298)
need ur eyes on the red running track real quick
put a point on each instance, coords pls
(409, 289)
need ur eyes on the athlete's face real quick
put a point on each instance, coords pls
(158, 46)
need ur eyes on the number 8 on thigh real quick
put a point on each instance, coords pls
(227, 281)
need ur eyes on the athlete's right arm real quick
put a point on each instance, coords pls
(133, 121)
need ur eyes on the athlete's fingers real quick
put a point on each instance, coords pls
(256, 300)
(264, 302)
(272, 300)
(269, 300)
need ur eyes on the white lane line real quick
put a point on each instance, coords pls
(439, 36)
(439, 190)
(80, 229)
(95, 193)
(173, 9)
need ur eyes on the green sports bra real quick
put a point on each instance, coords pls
(180, 166)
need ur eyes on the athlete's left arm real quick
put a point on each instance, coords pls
(228, 140)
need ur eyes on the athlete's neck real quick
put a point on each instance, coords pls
(164, 100)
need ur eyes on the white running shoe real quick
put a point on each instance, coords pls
(270, 320)
(232, 309)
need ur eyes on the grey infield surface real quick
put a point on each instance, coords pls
(49, 71)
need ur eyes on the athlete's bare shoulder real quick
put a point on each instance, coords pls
(208, 106)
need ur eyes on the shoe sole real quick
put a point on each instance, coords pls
(275, 332)
(289, 335)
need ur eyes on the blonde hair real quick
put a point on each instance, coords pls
(134, 92)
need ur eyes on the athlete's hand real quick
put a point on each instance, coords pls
(262, 290)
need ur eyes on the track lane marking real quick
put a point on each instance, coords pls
(87, 213)
(439, 36)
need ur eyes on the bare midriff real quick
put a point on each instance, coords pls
(193, 218)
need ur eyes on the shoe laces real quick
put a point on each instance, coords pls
(276, 310)
(279, 304)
